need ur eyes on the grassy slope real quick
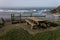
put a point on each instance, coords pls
(20, 34)
(16, 34)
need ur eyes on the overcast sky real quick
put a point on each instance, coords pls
(29, 3)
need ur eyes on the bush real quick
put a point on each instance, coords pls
(15, 22)
(53, 24)
(58, 23)
(1, 25)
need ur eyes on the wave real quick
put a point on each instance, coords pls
(13, 10)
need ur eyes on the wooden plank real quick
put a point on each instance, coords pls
(35, 19)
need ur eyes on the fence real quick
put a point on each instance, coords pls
(24, 15)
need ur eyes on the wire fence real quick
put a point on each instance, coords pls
(18, 16)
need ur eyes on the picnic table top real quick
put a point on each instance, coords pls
(35, 19)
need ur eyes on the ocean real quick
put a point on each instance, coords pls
(6, 12)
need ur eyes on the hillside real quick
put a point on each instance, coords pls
(56, 10)
(21, 34)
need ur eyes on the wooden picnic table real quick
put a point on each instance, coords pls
(35, 22)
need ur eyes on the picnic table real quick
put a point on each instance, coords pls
(35, 22)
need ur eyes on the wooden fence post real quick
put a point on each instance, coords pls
(20, 17)
(12, 17)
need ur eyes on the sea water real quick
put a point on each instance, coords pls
(6, 13)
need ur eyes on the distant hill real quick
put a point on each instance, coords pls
(55, 10)
(58, 9)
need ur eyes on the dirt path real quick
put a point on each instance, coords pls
(12, 26)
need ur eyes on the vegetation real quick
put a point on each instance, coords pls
(17, 21)
(2, 22)
(20, 34)
(56, 10)
(53, 11)
(16, 34)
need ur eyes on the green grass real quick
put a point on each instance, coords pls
(20, 34)
(16, 34)
(58, 23)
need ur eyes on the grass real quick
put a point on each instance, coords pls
(16, 34)
(1, 24)
(21, 34)
(58, 23)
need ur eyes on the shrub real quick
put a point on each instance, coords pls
(15, 22)
(53, 24)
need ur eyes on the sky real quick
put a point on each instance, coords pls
(29, 3)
